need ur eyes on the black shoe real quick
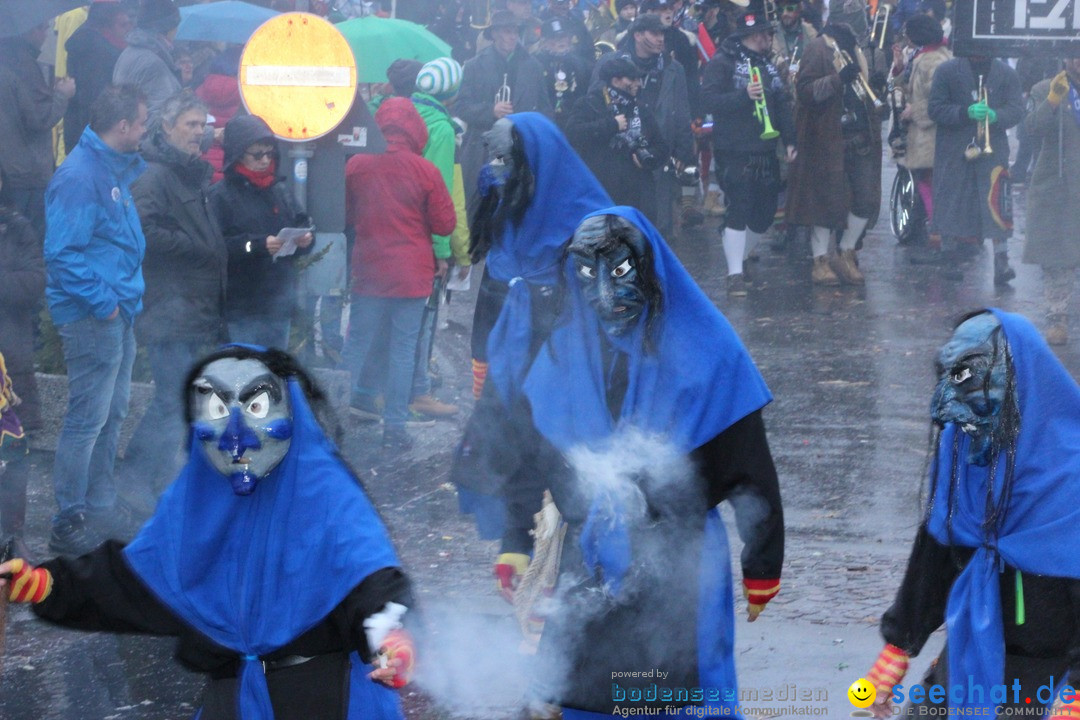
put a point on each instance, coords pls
(1003, 272)
(73, 535)
(396, 439)
(737, 285)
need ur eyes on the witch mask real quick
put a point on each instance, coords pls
(607, 253)
(243, 419)
(973, 383)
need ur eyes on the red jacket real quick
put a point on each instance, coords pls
(396, 201)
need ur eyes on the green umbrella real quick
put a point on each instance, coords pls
(376, 42)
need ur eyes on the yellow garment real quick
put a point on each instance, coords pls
(1059, 88)
(66, 25)
(7, 394)
(459, 239)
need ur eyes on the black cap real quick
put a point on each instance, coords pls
(751, 22)
(647, 23)
(614, 66)
(553, 28)
(923, 30)
(620, 4)
(501, 18)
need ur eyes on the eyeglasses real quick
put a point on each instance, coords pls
(262, 154)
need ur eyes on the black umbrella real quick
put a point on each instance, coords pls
(18, 16)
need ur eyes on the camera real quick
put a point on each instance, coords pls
(645, 158)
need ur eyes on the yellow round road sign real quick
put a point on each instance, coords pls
(298, 74)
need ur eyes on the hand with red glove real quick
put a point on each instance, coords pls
(757, 593)
(509, 568)
(24, 582)
(395, 660)
(889, 669)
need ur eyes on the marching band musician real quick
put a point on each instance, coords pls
(835, 182)
(566, 75)
(747, 166)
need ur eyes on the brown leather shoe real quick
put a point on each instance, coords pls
(822, 274)
(1057, 334)
(846, 267)
(432, 407)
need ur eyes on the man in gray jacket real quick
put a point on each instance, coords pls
(29, 109)
(147, 60)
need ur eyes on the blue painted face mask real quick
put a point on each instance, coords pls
(605, 251)
(972, 383)
(242, 418)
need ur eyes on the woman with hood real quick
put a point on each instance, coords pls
(396, 202)
(251, 208)
(221, 93)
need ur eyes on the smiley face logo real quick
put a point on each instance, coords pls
(861, 693)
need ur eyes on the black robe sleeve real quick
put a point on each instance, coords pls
(919, 607)
(737, 466)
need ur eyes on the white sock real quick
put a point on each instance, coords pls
(734, 250)
(820, 241)
(855, 226)
(752, 240)
(1000, 245)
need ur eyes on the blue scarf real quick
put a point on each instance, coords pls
(254, 573)
(1041, 527)
(698, 381)
(565, 192)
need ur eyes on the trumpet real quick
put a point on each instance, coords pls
(881, 24)
(982, 132)
(761, 108)
(862, 88)
(503, 94)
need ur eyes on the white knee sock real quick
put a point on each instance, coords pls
(1000, 245)
(855, 226)
(820, 240)
(734, 250)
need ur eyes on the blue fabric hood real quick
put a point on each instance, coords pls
(698, 381)
(565, 192)
(1041, 527)
(253, 573)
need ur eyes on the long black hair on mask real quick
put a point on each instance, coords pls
(502, 205)
(622, 231)
(1003, 446)
(281, 364)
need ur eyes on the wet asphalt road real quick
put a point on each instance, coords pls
(851, 370)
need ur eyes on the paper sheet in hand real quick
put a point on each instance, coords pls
(453, 282)
(288, 238)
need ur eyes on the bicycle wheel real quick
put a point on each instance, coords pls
(905, 207)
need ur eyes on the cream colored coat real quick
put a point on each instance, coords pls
(921, 130)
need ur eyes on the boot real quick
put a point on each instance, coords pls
(1057, 331)
(714, 205)
(847, 268)
(822, 274)
(1003, 272)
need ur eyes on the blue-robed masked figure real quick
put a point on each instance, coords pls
(643, 410)
(995, 559)
(265, 559)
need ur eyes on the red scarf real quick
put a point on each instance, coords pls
(260, 179)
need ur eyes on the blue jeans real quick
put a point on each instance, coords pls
(151, 456)
(402, 315)
(268, 331)
(99, 356)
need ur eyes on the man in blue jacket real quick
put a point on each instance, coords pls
(94, 248)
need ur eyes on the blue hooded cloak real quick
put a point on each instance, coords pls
(253, 573)
(565, 191)
(698, 381)
(1041, 528)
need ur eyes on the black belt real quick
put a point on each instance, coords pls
(284, 662)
